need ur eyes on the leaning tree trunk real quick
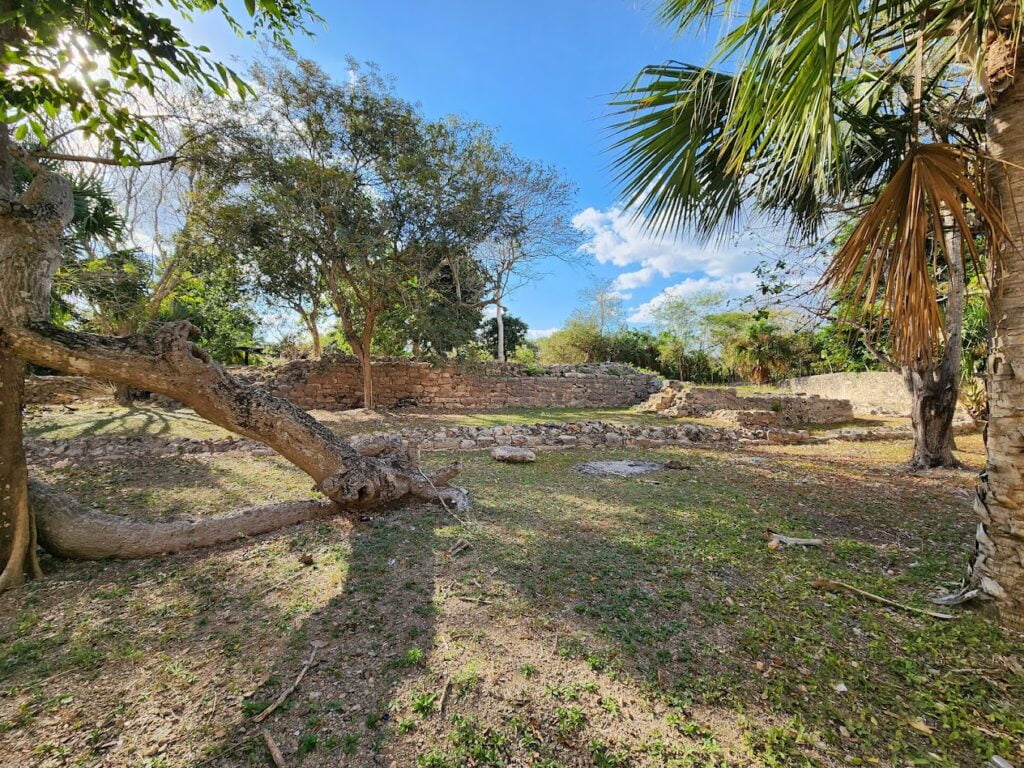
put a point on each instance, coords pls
(998, 568)
(934, 386)
(31, 228)
(168, 363)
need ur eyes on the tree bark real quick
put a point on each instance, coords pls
(998, 567)
(168, 363)
(309, 318)
(314, 332)
(366, 365)
(933, 390)
(69, 529)
(17, 552)
(934, 386)
(31, 229)
(500, 320)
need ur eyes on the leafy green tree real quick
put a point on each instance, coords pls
(514, 334)
(687, 317)
(379, 200)
(50, 78)
(217, 302)
(280, 269)
(635, 347)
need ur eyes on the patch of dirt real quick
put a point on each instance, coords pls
(619, 468)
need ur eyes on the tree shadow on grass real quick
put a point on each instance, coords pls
(185, 485)
(592, 621)
(163, 661)
(660, 591)
(138, 421)
(375, 632)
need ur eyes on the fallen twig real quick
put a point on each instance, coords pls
(777, 540)
(457, 547)
(444, 695)
(275, 752)
(837, 586)
(440, 497)
(471, 599)
(288, 691)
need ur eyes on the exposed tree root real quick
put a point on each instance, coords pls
(71, 529)
(68, 528)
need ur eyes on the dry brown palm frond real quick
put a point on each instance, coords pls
(891, 250)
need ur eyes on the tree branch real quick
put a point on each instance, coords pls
(65, 158)
(167, 362)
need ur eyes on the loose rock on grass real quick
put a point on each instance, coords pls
(513, 455)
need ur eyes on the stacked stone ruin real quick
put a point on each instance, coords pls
(724, 404)
(335, 383)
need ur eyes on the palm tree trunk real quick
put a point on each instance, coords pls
(933, 393)
(998, 569)
(934, 386)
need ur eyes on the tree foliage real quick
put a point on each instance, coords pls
(515, 329)
(88, 59)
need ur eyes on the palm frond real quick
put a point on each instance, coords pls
(889, 257)
(673, 161)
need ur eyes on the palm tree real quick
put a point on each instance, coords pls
(762, 354)
(808, 104)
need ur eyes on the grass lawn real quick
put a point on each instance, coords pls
(590, 622)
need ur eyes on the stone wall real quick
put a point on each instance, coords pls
(335, 383)
(725, 404)
(40, 390)
(873, 392)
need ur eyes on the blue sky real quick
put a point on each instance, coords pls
(541, 72)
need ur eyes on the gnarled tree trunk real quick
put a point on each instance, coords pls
(168, 363)
(31, 227)
(933, 390)
(934, 386)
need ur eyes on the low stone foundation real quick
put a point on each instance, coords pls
(551, 436)
(677, 398)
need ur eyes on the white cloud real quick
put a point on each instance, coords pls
(625, 283)
(540, 333)
(739, 284)
(614, 237)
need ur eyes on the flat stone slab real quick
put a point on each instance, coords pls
(513, 454)
(620, 468)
